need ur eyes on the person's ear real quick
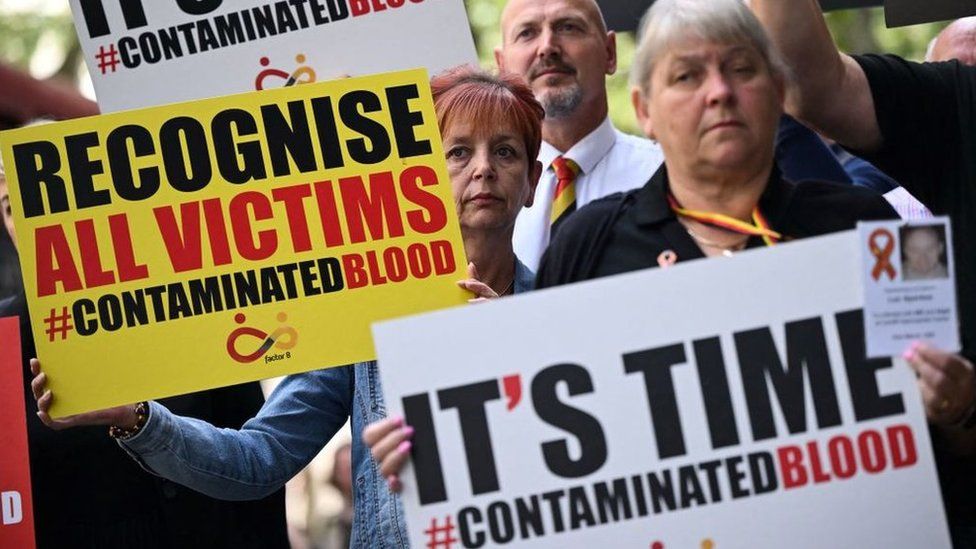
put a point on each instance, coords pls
(641, 112)
(535, 172)
(499, 58)
(611, 46)
(779, 81)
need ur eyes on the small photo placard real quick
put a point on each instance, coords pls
(909, 285)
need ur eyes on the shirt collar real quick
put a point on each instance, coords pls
(587, 152)
(652, 202)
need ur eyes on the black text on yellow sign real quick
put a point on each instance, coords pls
(195, 220)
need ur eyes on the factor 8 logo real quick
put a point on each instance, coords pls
(302, 74)
(706, 543)
(284, 338)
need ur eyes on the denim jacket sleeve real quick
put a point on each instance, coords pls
(300, 416)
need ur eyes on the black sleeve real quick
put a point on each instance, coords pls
(824, 208)
(918, 113)
(857, 204)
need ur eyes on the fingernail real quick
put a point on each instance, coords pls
(404, 447)
(397, 420)
(916, 345)
(907, 355)
(408, 431)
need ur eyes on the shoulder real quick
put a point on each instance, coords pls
(821, 207)
(629, 140)
(640, 147)
(877, 66)
(900, 87)
(577, 243)
(816, 191)
(595, 214)
(15, 305)
(6, 308)
(524, 278)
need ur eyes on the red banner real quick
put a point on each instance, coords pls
(16, 517)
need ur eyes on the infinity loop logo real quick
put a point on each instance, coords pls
(302, 74)
(284, 337)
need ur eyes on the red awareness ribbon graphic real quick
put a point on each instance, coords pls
(882, 253)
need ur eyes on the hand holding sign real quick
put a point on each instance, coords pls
(122, 416)
(389, 442)
(474, 285)
(389, 439)
(947, 383)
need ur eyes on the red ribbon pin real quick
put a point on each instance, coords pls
(882, 253)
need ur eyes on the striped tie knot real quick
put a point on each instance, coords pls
(564, 200)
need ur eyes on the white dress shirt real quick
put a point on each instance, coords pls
(610, 161)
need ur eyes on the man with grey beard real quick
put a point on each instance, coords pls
(565, 53)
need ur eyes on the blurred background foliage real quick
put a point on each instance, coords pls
(848, 28)
(38, 35)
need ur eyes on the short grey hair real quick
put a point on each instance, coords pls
(668, 22)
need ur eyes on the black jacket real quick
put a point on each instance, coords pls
(629, 231)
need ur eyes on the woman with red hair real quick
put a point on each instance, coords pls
(491, 128)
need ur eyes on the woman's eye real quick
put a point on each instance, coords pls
(456, 152)
(505, 152)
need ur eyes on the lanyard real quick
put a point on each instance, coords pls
(758, 227)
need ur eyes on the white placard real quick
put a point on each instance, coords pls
(665, 409)
(908, 274)
(167, 51)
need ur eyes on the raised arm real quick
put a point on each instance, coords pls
(302, 414)
(832, 92)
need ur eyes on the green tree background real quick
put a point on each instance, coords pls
(24, 34)
(855, 31)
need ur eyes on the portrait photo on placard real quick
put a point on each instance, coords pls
(923, 252)
(909, 287)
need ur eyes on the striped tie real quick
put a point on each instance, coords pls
(564, 201)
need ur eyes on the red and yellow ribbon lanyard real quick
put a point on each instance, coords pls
(758, 227)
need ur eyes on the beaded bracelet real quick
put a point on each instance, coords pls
(142, 415)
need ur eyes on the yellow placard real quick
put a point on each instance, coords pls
(203, 244)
